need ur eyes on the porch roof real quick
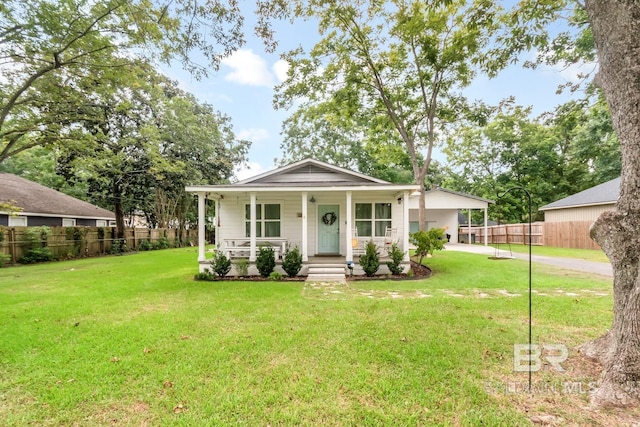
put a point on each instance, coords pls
(212, 190)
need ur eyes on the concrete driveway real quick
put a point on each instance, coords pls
(584, 266)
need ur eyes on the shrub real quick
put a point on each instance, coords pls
(266, 261)
(396, 256)
(242, 267)
(370, 261)
(220, 264)
(275, 276)
(410, 273)
(36, 255)
(118, 246)
(292, 261)
(145, 245)
(4, 258)
(205, 275)
(162, 243)
(428, 241)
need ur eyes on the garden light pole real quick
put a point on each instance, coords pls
(530, 317)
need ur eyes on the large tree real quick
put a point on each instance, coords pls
(615, 24)
(394, 68)
(52, 51)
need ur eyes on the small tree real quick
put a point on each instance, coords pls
(370, 261)
(266, 261)
(220, 264)
(396, 256)
(292, 261)
(428, 241)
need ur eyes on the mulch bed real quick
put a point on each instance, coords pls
(419, 272)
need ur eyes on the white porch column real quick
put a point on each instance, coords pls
(486, 229)
(405, 221)
(218, 240)
(252, 228)
(469, 226)
(201, 235)
(349, 233)
(305, 229)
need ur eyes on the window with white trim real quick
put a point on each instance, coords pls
(372, 219)
(101, 222)
(17, 221)
(68, 222)
(267, 220)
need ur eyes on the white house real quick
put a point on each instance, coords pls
(327, 211)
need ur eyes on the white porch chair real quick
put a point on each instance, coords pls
(356, 245)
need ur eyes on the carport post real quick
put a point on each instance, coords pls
(486, 229)
(469, 225)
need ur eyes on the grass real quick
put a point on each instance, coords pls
(132, 340)
(586, 254)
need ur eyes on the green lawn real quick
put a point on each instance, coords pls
(588, 254)
(133, 340)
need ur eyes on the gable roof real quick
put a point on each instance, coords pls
(34, 198)
(603, 194)
(311, 171)
(458, 193)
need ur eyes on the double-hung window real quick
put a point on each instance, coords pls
(267, 220)
(372, 219)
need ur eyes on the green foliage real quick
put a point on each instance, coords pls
(292, 261)
(162, 243)
(2, 231)
(410, 273)
(36, 255)
(4, 258)
(37, 236)
(77, 235)
(145, 245)
(370, 261)
(119, 246)
(397, 256)
(265, 261)
(242, 267)
(220, 264)
(427, 242)
(275, 276)
(204, 276)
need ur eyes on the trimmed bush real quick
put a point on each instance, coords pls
(220, 264)
(292, 261)
(370, 261)
(275, 276)
(145, 245)
(266, 261)
(396, 256)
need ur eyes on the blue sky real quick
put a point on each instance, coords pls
(243, 89)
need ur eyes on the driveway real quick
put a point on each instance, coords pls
(594, 267)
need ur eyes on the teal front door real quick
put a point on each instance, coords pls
(328, 229)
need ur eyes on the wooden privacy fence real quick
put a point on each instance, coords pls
(573, 234)
(74, 242)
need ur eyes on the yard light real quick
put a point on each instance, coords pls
(350, 267)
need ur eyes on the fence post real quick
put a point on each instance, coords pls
(12, 245)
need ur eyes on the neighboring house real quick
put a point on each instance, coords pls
(567, 221)
(586, 205)
(43, 206)
(326, 211)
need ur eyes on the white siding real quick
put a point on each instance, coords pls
(232, 215)
(585, 213)
(442, 200)
(440, 218)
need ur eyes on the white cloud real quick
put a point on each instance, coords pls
(248, 170)
(280, 69)
(253, 134)
(248, 69)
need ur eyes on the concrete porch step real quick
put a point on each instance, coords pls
(324, 269)
(326, 273)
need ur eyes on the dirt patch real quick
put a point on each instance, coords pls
(561, 398)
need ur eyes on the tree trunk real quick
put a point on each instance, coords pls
(117, 197)
(422, 207)
(615, 26)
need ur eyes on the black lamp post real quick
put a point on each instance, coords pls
(529, 198)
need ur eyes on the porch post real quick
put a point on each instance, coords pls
(305, 252)
(349, 233)
(405, 221)
(217, 224)
(486, 229)
(469, 226)
(252, 228)
(201, 236)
